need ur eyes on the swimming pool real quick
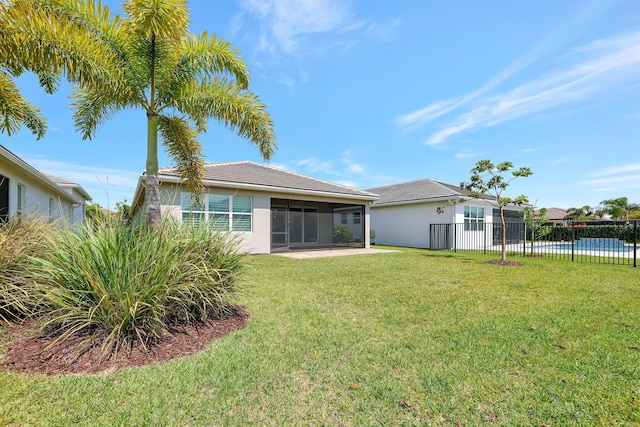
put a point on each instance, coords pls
(592, 245)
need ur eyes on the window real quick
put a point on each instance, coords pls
(21, 197)
(356, 217)
(51, 205)
(224, 212)
(473, 218)
(192, 210)
(343, 218)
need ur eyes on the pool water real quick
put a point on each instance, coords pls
(595, 244)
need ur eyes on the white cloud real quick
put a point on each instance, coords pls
(599, 67)
(634, 167)
(105, 185)
(465, 155)
(285, 23)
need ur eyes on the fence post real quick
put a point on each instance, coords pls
(484, 234)
(573, 239)
(455, 237)
(524, 241)
(635, 243)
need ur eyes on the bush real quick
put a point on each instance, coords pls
(342, 234)
(118, 283)
(19, 240)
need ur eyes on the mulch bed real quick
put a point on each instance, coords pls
(25, 349)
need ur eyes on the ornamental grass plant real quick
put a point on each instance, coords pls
(117, 283)
(20, 239)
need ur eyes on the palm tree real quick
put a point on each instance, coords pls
(145, 59)
(585, 212)
(616, 208)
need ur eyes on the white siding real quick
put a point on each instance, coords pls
(405, 225)
(408, 225)
(37, 196)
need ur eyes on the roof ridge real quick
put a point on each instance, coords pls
(403, 183)
(61, 179)
(175, 167)
(279, 169)
(313, 178)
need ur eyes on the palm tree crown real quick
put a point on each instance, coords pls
(145, 59)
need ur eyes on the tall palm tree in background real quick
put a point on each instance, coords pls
(147, 60)
(616, 208)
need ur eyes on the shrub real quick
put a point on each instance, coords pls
(19, 240)
(342, 234)
(118, 283)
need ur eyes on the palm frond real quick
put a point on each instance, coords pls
(238, 109)
(211, 56)
(181, 142)
(166, 19)
(95, 107)
(16, 111)
(57, 36)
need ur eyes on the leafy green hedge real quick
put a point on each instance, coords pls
(568, 233)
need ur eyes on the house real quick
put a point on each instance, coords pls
(269, 209)
(25, 191)
(423, 214)
(558, 216)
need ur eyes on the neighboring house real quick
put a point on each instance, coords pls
(25, 191)
(408, 214)
(557, 216)
(269, 209)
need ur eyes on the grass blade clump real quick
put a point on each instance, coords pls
(118, 283)
(20, 239)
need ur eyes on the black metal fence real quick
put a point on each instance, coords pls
(586, 241)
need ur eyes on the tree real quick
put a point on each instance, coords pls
(488, 179)
(584, 213)
(147, 60)
(616, 208)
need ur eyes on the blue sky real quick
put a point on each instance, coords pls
(368, 93)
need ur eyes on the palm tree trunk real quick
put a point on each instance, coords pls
(152, 185)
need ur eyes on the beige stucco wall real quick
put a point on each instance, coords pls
(258, 241)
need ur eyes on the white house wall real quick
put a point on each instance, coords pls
(37, 198)
(405, 225)
(409, 224)
(258, 241)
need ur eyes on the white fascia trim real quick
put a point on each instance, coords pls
(421, 201)
(37, 175)
(267, 188)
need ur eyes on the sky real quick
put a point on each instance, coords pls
(368, 93)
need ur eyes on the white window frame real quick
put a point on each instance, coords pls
(344, 218)
(474, 218)
(357, 217)
(21, 195)
(233, 217)
(51, 208)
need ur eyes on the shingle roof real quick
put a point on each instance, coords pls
(47, 180)
(556, 214)
(59, 180)
(65, 183)
(254, 174)
(415, 191)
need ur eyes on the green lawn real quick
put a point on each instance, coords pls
(407, 338)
